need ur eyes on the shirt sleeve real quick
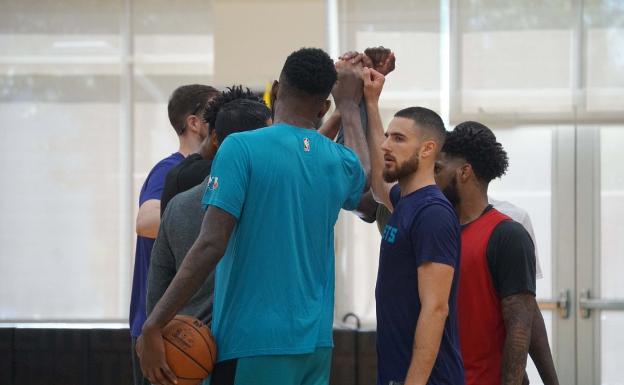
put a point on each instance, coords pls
(511, 259)
(355, 178)
(435, 236)
(229, 178)
(162, 267)
(155, 182)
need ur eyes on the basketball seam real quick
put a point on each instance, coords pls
(207, 344)
(186, 354)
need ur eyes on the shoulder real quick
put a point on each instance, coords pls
(169, 161)
(435, 212)
(510, 231)
(181, 203)
(514, 212)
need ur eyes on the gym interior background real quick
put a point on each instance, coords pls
(83, 92)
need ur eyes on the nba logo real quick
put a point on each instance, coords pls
(306, 144)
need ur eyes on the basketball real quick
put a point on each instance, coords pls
(190, 349)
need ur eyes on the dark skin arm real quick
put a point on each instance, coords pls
(347, 94)
(367, 209)
(518, 314)
(539, 350)
(331, 126)
(200, 260)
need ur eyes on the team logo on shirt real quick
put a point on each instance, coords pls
(306, 144)
(389, 234)
(213, 183)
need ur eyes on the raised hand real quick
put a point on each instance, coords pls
(348, 88)
(373, 84)
(383, 59)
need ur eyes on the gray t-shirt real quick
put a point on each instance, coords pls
(179, 227)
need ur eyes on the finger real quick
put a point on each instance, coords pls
(367, 61)
(357, 59)
(348, 55)
(169, 374)
(159, 378)
(366, 77)
(376, 74)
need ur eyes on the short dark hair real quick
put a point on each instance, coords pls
(231, 93)
(426, 119)
(240, 115)
(311, 71)
(477, 144)
(187, 100)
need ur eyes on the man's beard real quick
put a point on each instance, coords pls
(451, 192)
(401, 171)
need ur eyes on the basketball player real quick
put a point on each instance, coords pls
(180, 223)
(499, 320)
(417, 336)
(186, 106)
(196, 167)
(273, 198)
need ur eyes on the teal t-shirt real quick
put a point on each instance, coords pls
(274, 287)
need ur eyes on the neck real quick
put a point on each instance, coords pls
(471, 206)
(421, 178)
(188, 144)
(207, 152)
(294, 114)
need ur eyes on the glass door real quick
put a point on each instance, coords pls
(600, 257)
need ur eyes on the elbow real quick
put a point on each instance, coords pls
(142, 228)
(439, 310)
(146, 228)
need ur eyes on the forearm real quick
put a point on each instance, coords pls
(539, 350)
(367, 209)
(375, 139)
(427, 338)
(354, 136)
(331, 126)
(518, 317)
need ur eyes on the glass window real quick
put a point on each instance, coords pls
(515, 56)
(59, 143)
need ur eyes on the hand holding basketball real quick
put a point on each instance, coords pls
(150, 348)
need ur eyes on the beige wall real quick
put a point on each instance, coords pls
(252, 39)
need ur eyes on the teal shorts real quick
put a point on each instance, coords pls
(293, 369)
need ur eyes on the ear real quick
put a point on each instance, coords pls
(428, 149)
(326, 106)
(192, 123)
(465, 173)
(273, 93)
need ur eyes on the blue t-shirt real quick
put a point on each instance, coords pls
(423, 228)
(152, 189)
(274, 287)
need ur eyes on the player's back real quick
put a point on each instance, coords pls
(286, 185)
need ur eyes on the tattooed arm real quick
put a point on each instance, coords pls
(201, 259)
(518, 314)
(539, 350)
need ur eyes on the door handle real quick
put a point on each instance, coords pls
(587, 304)
(561, 304)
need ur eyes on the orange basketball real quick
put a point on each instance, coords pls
(190, 349)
